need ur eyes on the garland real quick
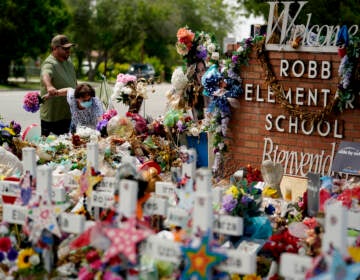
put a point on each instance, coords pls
(293, 110)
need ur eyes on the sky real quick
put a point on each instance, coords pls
(243, 24)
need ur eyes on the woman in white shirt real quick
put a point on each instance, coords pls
(86, 109)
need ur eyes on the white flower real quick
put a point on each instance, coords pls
(34, 259)
(141, 90)
(179, 79)
(240, 49)
(215, 56)
(126, 90)
(211, 47)
(194, 131)
(221, 146)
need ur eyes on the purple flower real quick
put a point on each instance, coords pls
(180, 126)
(234, 58)
(12, 255)
(101, 124)
(245, 200)
(229, 203)
(201, 52)
(16, 127)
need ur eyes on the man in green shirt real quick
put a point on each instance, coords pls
(57, 72)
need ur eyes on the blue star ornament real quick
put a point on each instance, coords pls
(200, 261)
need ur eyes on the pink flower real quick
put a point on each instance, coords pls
(32, 101)
(125, 78)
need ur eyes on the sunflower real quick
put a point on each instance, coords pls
(23, 260)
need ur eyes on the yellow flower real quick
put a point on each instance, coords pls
(10, 130)
(235, 277)
(23, 260)
(251, 277)
(270, 192)
(233, 190)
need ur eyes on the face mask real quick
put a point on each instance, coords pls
(86, 104)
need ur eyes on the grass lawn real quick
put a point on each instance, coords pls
(21, 85)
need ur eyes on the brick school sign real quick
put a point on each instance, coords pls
(299, 127)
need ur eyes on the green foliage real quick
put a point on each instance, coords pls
(27, 27)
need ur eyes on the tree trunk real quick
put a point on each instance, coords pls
(4, 70)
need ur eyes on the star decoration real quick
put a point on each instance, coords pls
(186, 195)
(43, 217)
(87, 181)
(124, 240)
(200, 261)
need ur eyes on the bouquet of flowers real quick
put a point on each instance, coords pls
(196, 46)
(32, 101)
(8, 132)
(101, 125)
(130, 91)
(242, 199)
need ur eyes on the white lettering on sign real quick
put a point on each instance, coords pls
(14, 214)
(294, 266)
(177, 217)
(299, 163)
(227, 224)
(299, 68)
(102, 199)
(302, 96)
(163, 249)
(72, 223)
(238, 262)
(155, 206)
(313, 36)
(165, 188)
(307, 127)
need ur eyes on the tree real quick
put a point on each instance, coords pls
(26, 28)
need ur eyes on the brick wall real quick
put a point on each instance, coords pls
(247, 127)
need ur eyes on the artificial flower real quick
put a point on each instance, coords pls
(251, 277)
(32, 101)
(5, 244)
(23, 260)
(233, 190)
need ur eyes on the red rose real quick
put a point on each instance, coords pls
(5, 244)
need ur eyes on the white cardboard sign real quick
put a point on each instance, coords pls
(72, 223)
(163, 249)
(177, 217)
(14, 214)
(165, 188)
(227, 224)
(238, 262)
(155, 206)
(294, 266)
(102, 199)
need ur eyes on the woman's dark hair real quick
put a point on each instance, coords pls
(83, 90)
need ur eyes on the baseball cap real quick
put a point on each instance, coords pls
(61, 41)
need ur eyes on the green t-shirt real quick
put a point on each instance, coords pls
(62, 76)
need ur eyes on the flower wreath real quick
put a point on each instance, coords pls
(348, 74)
